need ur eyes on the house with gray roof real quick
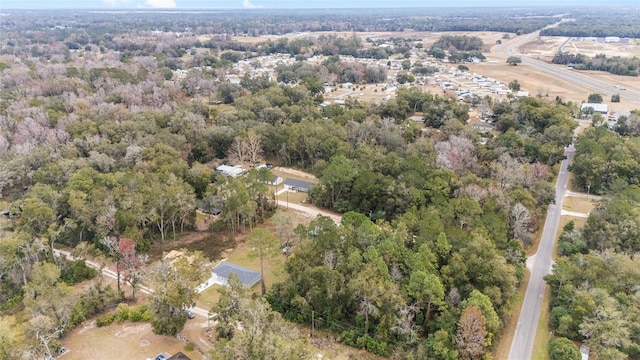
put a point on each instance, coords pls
(297, 185)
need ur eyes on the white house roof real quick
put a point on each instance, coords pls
(601, 108)
(231, 170)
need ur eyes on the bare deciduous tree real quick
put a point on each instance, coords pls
(457, 154)
(254, 147)
(508, 171)
(520, 221)
(238, 151)
(471, 336)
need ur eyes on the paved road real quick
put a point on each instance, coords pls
(512, 48)
(540, 265)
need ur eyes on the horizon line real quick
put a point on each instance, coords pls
(309, 8)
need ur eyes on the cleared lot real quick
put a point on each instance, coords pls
(120, 341)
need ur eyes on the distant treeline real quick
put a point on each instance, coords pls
(599, 23)
(593, 30)
(277, 22)
(615, 65)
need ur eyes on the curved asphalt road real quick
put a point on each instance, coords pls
(540, 265)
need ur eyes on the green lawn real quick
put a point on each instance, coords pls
(292, 197)
(273, 268)
(273, 272)
(209, 297)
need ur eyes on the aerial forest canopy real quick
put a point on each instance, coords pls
(107, 142)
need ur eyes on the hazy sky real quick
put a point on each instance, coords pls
(118, 4)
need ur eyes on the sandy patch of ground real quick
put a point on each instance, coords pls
(543, 46)
(298, 174)
(119, 341)
(593, 47)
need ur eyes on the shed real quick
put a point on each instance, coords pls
(597, 107)
(248, 277)
(297, 185)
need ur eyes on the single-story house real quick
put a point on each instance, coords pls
(221, 272)
(179, 356)
(599, 108)
(233, 171)
(297, 185)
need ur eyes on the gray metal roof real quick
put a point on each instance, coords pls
(247, 276)
(298, 183)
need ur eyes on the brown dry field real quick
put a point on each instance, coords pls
(120, 341)
(543, 48)
(578, 204)
(590, 47)
(535, 82)
(428, 38)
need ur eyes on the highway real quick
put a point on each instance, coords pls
(512, 48)
(539, 265)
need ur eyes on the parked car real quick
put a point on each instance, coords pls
(190, 314)
(160, 357)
